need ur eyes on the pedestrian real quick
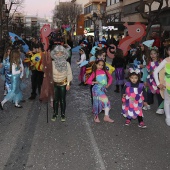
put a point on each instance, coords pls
(101, 80)
(119, 64)
(165, 64)
(37, 73)
(132, 98)
(83, 68)
(7, 72)
(16, 67)
(62, 76)
(144, 55)
(152, 63)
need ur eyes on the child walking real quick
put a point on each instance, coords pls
(133, 98)
(82, 69)
(165, 86)
(101, 80)
(119, 64)
(16, 67)
(152, 64)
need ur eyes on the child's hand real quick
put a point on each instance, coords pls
(107, 86)
(124, 95)
(161, 86)
(0, 65)
(94, 82)
(68, 87)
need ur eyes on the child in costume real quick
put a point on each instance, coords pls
(6, 65)
(37, 72)
(101, 80)
(16, 66)
(62, 76)
(119, 64)
(153, 63)
(133, 98)
(83, 68)
(165, 85)
(144, 48)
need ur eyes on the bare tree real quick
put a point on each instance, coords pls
(151, 16)
(67, 12)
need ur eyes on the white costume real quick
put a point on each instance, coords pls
(165, 65)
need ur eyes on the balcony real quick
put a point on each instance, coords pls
(114, 8)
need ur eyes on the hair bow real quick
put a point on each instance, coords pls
(131, 70)
(99, 59)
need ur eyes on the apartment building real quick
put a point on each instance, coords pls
(120, 11)
(93, 6)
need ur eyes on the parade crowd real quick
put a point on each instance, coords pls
(141, 77)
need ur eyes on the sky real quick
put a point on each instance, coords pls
(43, 8)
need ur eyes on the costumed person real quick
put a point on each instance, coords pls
(62, 76)
(119, 64)
(133, 98)
(37, 73)
(6, 66)
(101, 79)
(83, 68)
(16, 66)
(163, 82)
(144, 48)
(99, 55)
(152, 64)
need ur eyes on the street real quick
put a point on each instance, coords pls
(28, 142)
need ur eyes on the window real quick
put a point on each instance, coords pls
(130, 9)
(108, 2)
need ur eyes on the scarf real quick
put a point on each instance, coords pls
(60, 64)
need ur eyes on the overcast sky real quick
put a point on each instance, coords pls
(41, 7)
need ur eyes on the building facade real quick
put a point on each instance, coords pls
(121, 11)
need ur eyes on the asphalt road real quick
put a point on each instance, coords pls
(28, 142)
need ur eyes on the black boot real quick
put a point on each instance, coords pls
(33, 96)
(117, 89)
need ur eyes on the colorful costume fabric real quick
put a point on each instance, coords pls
(100, 100)
(133, 102)
(150, 78)
(118, 63)
(167, 77)
(15, 95)
(6, 64)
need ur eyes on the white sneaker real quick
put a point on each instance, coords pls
(5, 92)
(167, 120)
(149, 107)
(145, 108)
(160, 111)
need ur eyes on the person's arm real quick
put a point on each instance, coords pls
(124, 91)
(14, 72)
(110, 78)
(69, 74)
(83, 57)
(22, 67)
(90, 79)
(157, 70)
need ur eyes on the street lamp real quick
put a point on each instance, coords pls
(94, 18)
